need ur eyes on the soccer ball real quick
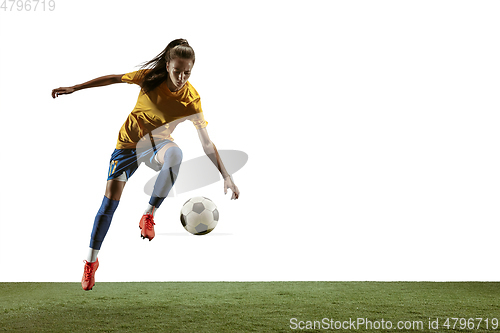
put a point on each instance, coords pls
(199, 215)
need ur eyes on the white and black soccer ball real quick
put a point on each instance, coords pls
(199, 215)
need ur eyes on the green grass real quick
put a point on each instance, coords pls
(238, 306)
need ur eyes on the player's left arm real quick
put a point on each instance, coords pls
(213, 154)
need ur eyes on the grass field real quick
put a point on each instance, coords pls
(246, 306)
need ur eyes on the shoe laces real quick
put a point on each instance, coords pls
(87, 270)
(149, 223)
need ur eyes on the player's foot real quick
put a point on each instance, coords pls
(88, 279)
(147, 226)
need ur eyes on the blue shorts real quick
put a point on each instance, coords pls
(128, 160)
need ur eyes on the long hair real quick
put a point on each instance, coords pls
(156, 72)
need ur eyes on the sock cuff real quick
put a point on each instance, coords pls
(156, 201)
(108, 206)
(95, 244)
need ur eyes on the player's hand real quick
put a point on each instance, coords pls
(228, 183)
(62, 91)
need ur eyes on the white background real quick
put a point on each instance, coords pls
(371, 129)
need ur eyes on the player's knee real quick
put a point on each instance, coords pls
(114, 188)
(173, 156)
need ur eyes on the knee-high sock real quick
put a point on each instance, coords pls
(168, 175)
(102, 222)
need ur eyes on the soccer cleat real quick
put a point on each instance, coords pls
(88, 279)
(147, 226)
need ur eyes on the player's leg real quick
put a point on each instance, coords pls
(170, 156)
(122, 165)
(102, 221)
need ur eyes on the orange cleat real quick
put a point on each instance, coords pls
(147, 226)
(88, 279)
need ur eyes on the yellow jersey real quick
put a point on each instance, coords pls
(158, 112)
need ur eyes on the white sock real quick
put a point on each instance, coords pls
(92, 256)
(150, 210)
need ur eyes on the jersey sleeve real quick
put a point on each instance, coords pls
(133, 77)
(198, 120)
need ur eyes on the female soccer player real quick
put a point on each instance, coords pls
(166, 99)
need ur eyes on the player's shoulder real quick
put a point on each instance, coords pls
(193, 93)
(135, 76)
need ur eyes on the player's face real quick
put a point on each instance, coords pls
(179, 70)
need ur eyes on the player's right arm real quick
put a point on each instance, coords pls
(98, 82)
